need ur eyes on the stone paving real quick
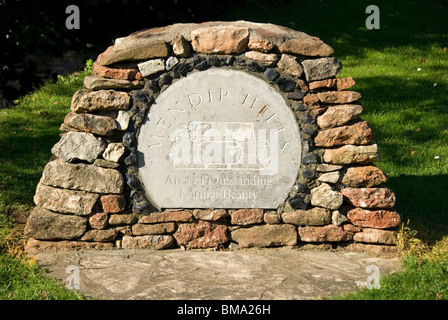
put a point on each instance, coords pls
(268, 274)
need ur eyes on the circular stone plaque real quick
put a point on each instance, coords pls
(219, 138)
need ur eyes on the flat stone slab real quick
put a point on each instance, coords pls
(270, 274)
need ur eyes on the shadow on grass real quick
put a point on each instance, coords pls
(422, 201)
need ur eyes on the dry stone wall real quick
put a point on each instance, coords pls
(91, 194)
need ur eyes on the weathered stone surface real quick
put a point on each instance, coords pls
(370, 197)
(246, 216)
(363, 176)
(95, 82)
(122, 120)
(329, 177)
(82, 177)
(290, 65)
(350, 154)
(312, 217)
(324, 196)
(122, 219)
(219, 103)
(65, 201)
(114, 72)
(158, 228)
(181, 47)
(114, 151)
(35, 246)
(100, 125)
(98, 220)
(113, 203)
(108, 235)
(319, 69)
(260, 45)
(109, 100)
(201, 234)
(167, 216)
(209, 215)
(272, 217)
(337, 218)
(325, 167)
(378, 219)
(147, 242)
(43, 224)
(106, 164)
(358, 133)
(339, 84)
(150, 67)
(156, 49)
(312, 46)
(268, 235)
(339, 97)
(78, 146)
(265, 59)
(220, 40)
(374, 249)
(328, 233)
(376, 236)
(339, 115)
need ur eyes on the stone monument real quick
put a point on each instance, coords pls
(217, 135)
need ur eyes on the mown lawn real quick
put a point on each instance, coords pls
(401, 72)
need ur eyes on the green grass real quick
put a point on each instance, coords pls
(29, 130)
(404, 107)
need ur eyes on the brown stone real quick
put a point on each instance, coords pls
(108, 235)
(339, 115)
(220, 40)
(98, 220)
(144, 51)
(109, 100)
(100, 125)
(167, 216)
(209, 215)
(43, 224)
(113, 203)
(328, 233)
(272, 217)
(345, 83)
(201, 234)
(96, 82)
(313, 217)
(322, 84)
(376, 236)
(351, 228)
(358, 133)
(35, 246)
(246, 216)
(122, 219)
(65, 201)
(114, 72)
(158, 228)
(363, 176)
(369, 197)
(82, 176)
(311, 100)
(260, 45)
(311, 46)
(147, 242)
(338, 97)
(265, 59)
(378, 219)
(350, 154)
(181, 47)
(268, 235)
(290, 65)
